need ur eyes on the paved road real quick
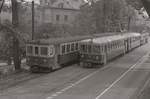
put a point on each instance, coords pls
(120, 79)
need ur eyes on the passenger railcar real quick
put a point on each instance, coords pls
(132, 40)
(100, 50)
(50, 54)
(144, 38)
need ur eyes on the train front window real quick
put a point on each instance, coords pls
(72, 47)
(68, 48)
(76, 47)
(63, 49)
(89, 48)
(96, 49)
(36, 50)
(83, 48)
(44, 51)
(29, 50)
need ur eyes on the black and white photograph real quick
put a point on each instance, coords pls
(74, 49)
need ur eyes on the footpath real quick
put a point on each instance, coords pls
(9, 69)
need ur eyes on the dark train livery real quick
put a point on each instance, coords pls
(51, 54)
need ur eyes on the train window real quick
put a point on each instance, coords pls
(63, 49)
(72, 47)
(84, 48)
(118, 44)
(115, 44)
(89, 48)
(96, 49)
(102, 48)
(44, 51)
(111, 45)
(36, 49)
(81, 47)
(29, 50)
(76, 46)
(108, 47)
(68, 47)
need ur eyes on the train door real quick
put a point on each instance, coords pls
(126, 46)
(129, 43)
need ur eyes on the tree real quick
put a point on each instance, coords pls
(15, 23)
(146, 4)
(104, 16)
(137, 4)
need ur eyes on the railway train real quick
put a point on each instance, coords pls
(98, 51)
(50, 54)
(46, 55)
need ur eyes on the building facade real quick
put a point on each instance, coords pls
(59, 11)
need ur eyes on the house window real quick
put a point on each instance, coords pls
(57, 17)
(61, 5)
(36, 50)
(66, 17)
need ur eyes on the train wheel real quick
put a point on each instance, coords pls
(89, 65)
(81, 64)
(34, 69)
(48, 70)
(84, 65)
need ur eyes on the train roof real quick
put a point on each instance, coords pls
(103, 39)
(67, 39)
(131, 34)
(58, 40)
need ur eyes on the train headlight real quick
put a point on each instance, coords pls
(44, 60)
(82, 56)
(90, 56)
(97, 57)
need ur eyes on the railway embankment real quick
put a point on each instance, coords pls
(9, 77)
(15, 78)
(6, 69)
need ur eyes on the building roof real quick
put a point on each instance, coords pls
(66, 4)
(58, 40)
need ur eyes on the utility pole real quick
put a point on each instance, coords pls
(104, 16)
(15, 23)
(33, 13)
(129, 22)
(2, 3)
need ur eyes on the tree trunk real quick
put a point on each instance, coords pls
(15, 22)
(16, 54)
(15, 19)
